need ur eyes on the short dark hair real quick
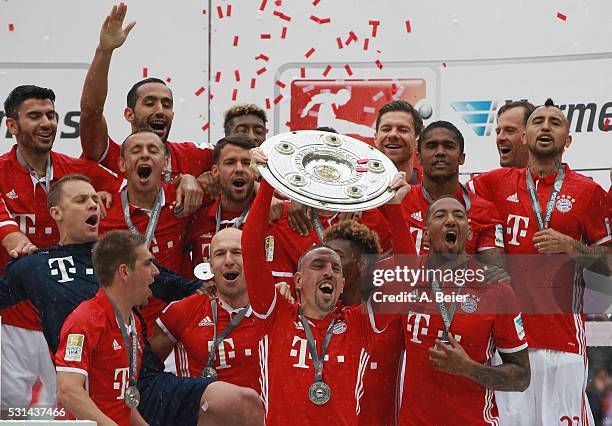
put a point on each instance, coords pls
(442, 197)
(240, 110)
(22, 93)
(135, 132)
(132, 95)
(528, 109)
(441, 124)
(326, 129)
(360, 236)
(240, 141)
(308, 250)
(115, 249)
(56, 192)
(549, 102)
(399, 105)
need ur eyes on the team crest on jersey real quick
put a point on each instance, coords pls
(470, 304)
(339, 328)
(74, 347)
(269, 248)
(565, 203)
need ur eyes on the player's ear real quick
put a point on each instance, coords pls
(11, 125)
(568, 141)
(56, 213)
(122, 270)
(214, 171)
(462, 159)
(470, 233)
(297, 278)
(128, 113)
(122, 167)
(341, 287)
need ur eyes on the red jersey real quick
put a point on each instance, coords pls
(284, 246)
(185, 158)
(26, 201)
(204, 226)
(91, 344)
(189, 323)
(431, 397)
(166, 244)
(581, 213)
(482, 216)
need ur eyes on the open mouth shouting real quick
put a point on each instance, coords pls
(450, 239)
(327, 289)
(92, 221)
(159, 126)
(545, 140)
(231, 277)
(144, 172)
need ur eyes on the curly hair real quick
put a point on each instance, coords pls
(358, 234)
(240, 110)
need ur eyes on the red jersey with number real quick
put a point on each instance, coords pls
(552, 283)
(189, 323)
(482, 216)
(166, 244)
(26, 201)
(483, 322)
(284, 246)
(186, 158)
(91, 344)
(204, 226)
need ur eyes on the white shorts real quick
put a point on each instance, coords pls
(25, 357)
(556, 395)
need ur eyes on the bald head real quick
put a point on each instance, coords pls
(225, 236)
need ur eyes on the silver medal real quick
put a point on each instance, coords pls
(210, 373)
(319, 393)
(132, 397)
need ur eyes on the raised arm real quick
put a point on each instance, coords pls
(260, 283)
(403, 243)
(94, 133)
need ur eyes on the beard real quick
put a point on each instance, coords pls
(226, 191)
(27, 141)
(144, 124)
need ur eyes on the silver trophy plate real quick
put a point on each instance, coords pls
(328, 171)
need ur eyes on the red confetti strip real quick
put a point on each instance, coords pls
(218, 76)
(265, 36)
(361, 169)
(235, 41)
(314, 18)
(324, 20)
(234, 94)
(379, 64)
(606, 124)
(444, 64)
(278, 99)
(11, 27)
(145, 72)
(228, 10)
(315, 2)
(200, 91)
(366, 43)
(352, 37)
(267, 103)
(374, 25)
(393, 87)
(168, 79)
(278, 2)
(262, 6)
(211, 96)
(302, 72)
(408, 27)
(339, 41)
(261, 70)
(347, 67)
(284, 33)
(203, 11)
(237, 75)
(282, 16)
(561, 16)
(310, 52)
(206, 126)
(253, 83)
(262, 56)
(220, 12)
(326, 70)
(280, 84)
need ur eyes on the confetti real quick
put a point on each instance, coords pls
(408, 27)
(265, 36)
(199, 91)
(302, 72)
(339, 41)
(267, 103)
(374, 25)
(284, 33)
(310, 52)
(220, 12)
(326, 70)
(280, 84)
(606, 124)
(203, 11)
(282, 16)
(379, 64)
(11, 27)
(218, 76)
(168, 79)
(352, 37)
(262, 6)
(261, 70)
(315, 2)
(234, 94)
(443, 64)
(237, 75)
(235, 41)
(145, 72)
(253, 83)
(320, 20)
(278, 2)
(366, 43)
(278, 99)
(206, 126)
(561, 16)
(262, 56)
(347, 67)
(228, 10)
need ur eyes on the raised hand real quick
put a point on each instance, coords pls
(112, 33)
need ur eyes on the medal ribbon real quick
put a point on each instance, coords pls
(535, 203)
(447, 315)
(237, 223)
(167, 174)
(212, 353)
(464, 192)
(316, 222)
(49, 173)
(152, 220)
(131, 347)
(312, 346)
